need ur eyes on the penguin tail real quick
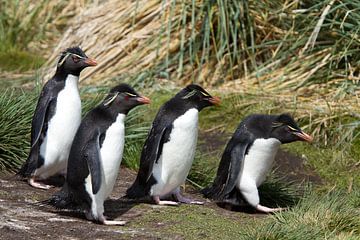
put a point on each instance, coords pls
(63, 199)
(137, 190)
(211, 192)
(29, 166)
(215, 193)
(23, 171)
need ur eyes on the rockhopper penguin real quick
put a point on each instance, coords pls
(96, 154)
(57, 117)
(248, 157)
(169, 149)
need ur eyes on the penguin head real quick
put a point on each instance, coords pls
(196, 96)
(285, 129)
(73, 61)
(123, 98)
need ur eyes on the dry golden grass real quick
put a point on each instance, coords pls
(286, 49)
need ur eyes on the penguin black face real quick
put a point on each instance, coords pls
(198, 97)
(74, 60)
(123, 98)
(286, 130)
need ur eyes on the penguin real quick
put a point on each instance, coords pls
(96, 154)
(56, 118)
(169, 149)
(248, 157)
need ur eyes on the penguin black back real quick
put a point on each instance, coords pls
(71, 61)
(257, 126)
(192, 96)
(85, 151)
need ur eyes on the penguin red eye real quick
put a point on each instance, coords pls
(127, 97)
(76, 59)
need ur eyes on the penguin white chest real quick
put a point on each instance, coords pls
(178, 153)
(258, 161)
(111, 154)
(63, 125)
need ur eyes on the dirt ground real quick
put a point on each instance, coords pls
(21, 218)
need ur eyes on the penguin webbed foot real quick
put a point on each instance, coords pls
(162, 202)
(185, 200)
(102, 220)
(264, 209)
(113, 222)
(39, 185)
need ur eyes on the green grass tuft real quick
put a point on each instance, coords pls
(16, 110)
(316, 216)
(18, 60)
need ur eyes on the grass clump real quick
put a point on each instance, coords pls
(19, 60)
(330, 216)
(16, 110)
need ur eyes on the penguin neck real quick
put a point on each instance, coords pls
(182, 105)
(120, 118)
(112, 114)
(61, 73)
(72, 81)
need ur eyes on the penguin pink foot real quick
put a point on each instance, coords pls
(39, 185)
(264, 209)
(182, 199)
(161, 202)
(104, 221)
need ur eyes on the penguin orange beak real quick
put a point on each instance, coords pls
(90, 62)
(215, 100)
(143, 100)
(303, 136)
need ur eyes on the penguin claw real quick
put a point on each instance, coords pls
(35, 184)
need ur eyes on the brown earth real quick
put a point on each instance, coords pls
(21, 218)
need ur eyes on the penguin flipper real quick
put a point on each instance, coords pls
(150, 154)
(161, 139)
(229, 169)
(237, 157)
(92, 157)
(43, 112)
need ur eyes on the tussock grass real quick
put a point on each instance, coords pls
(330, 216)
(303, 53)
(16, 112)
(29, 29)
(32, 25)
(19, 61)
